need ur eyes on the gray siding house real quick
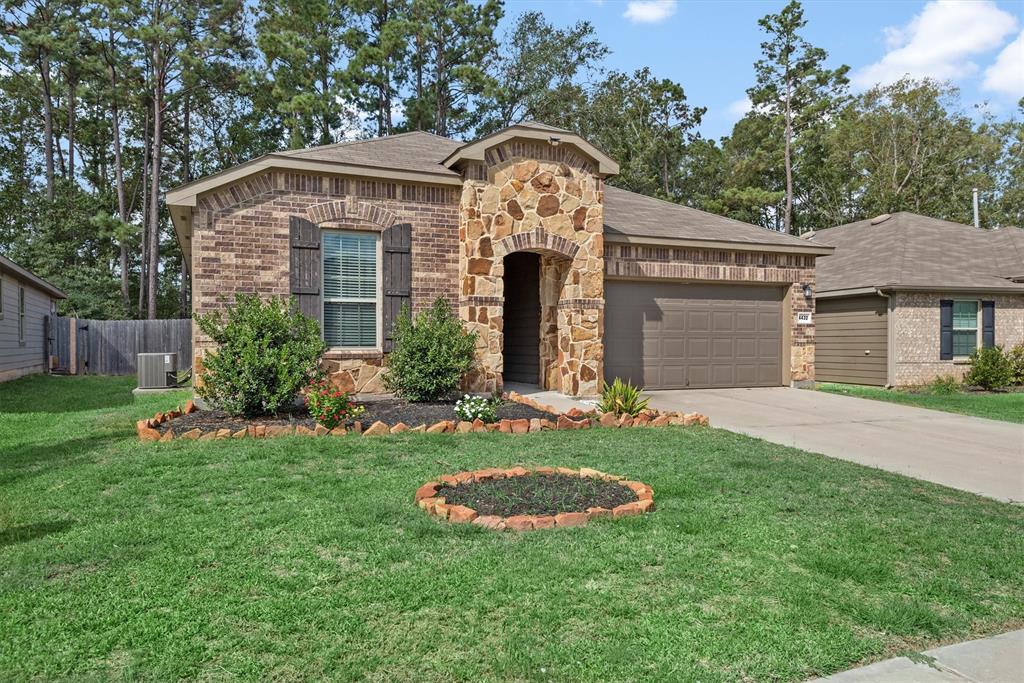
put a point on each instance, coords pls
(25, 301)
(906, 298)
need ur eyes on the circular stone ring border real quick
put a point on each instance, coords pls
(428, 499)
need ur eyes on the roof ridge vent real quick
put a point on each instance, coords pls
(881, 219)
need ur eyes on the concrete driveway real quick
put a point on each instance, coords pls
(968, 453)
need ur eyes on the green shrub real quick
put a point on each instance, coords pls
(1015, 356)
(266, 353)
(432, 354)
(621, 398)
(944, 385)
(990, 369)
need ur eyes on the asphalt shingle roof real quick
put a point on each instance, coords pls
(916, 251)
(415, 151)
(636, 215)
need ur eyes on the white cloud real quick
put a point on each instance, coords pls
(649, 11)
(939, 42)
(1006, 75)
(738, 109)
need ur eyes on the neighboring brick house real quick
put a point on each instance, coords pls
(25, 301)
(566, 280)
(907, 298)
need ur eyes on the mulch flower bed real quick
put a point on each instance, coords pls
(519, 499)
(516, 415)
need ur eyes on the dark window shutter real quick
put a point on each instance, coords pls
(304, 266)
(988, 324)
(396, 245)
(945, 330)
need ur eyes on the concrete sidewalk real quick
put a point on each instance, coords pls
(999, 659)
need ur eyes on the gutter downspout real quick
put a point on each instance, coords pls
(890, 338)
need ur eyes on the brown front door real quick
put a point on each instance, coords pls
(664, 335)
(522, 318)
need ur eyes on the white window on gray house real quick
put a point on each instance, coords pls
(965, 328)
(1, 296)
(21, 314)
(351, 291)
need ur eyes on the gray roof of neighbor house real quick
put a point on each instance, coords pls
(24, 274)
(910, 251)
(424, 157)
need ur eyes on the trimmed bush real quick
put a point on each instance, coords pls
(267, 351)
(432, 353)
(990, 369)
(621, 398)
(1016, 358)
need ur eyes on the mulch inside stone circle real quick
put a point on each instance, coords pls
(537, 494)
(388, 411)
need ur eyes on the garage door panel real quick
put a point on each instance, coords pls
(698, 321)
(693, 335)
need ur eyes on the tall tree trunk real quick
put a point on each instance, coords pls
(122, 206)
(44, 74)
(72, 78)
(154, 198)
(186, 163)
(419, 80)
(789, 160)
(144, 253)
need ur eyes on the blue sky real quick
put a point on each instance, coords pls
(710, 47)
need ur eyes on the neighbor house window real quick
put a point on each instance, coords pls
(21, 314)
(965, 328)
(1, 296)
(351, 289)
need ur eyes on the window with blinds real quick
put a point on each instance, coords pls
(965, 327)
(350, 293)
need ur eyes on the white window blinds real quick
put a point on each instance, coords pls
(351, 295)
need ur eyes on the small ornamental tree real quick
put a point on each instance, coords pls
(267, 351)
(432, 353)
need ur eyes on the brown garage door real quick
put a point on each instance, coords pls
(693, 336)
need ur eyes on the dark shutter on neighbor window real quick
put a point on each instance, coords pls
(988, 324)
(396, 248)
(304, 266)
(945, 330)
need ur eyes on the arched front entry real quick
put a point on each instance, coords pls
(522, 328)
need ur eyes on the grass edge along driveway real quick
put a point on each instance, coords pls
(1002, 406)
(302, 558)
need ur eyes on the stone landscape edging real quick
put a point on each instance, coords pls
(573, 419)
(427, 499)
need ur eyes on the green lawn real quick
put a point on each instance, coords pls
(1008, 407)
(305, 558)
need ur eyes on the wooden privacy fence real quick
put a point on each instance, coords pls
(79, 346)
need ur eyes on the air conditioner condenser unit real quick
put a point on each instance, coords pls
(157, 370)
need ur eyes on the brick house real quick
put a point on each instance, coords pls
(907, 298)
(566, 280)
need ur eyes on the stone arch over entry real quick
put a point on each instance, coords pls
(538, 240)
(555, 210)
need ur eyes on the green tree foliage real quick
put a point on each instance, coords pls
(793, 88)
(644, 123)
(537, 75)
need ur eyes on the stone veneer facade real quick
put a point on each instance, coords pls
(790, 271)
(553, 208)
(915, 328)
(524, 196)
